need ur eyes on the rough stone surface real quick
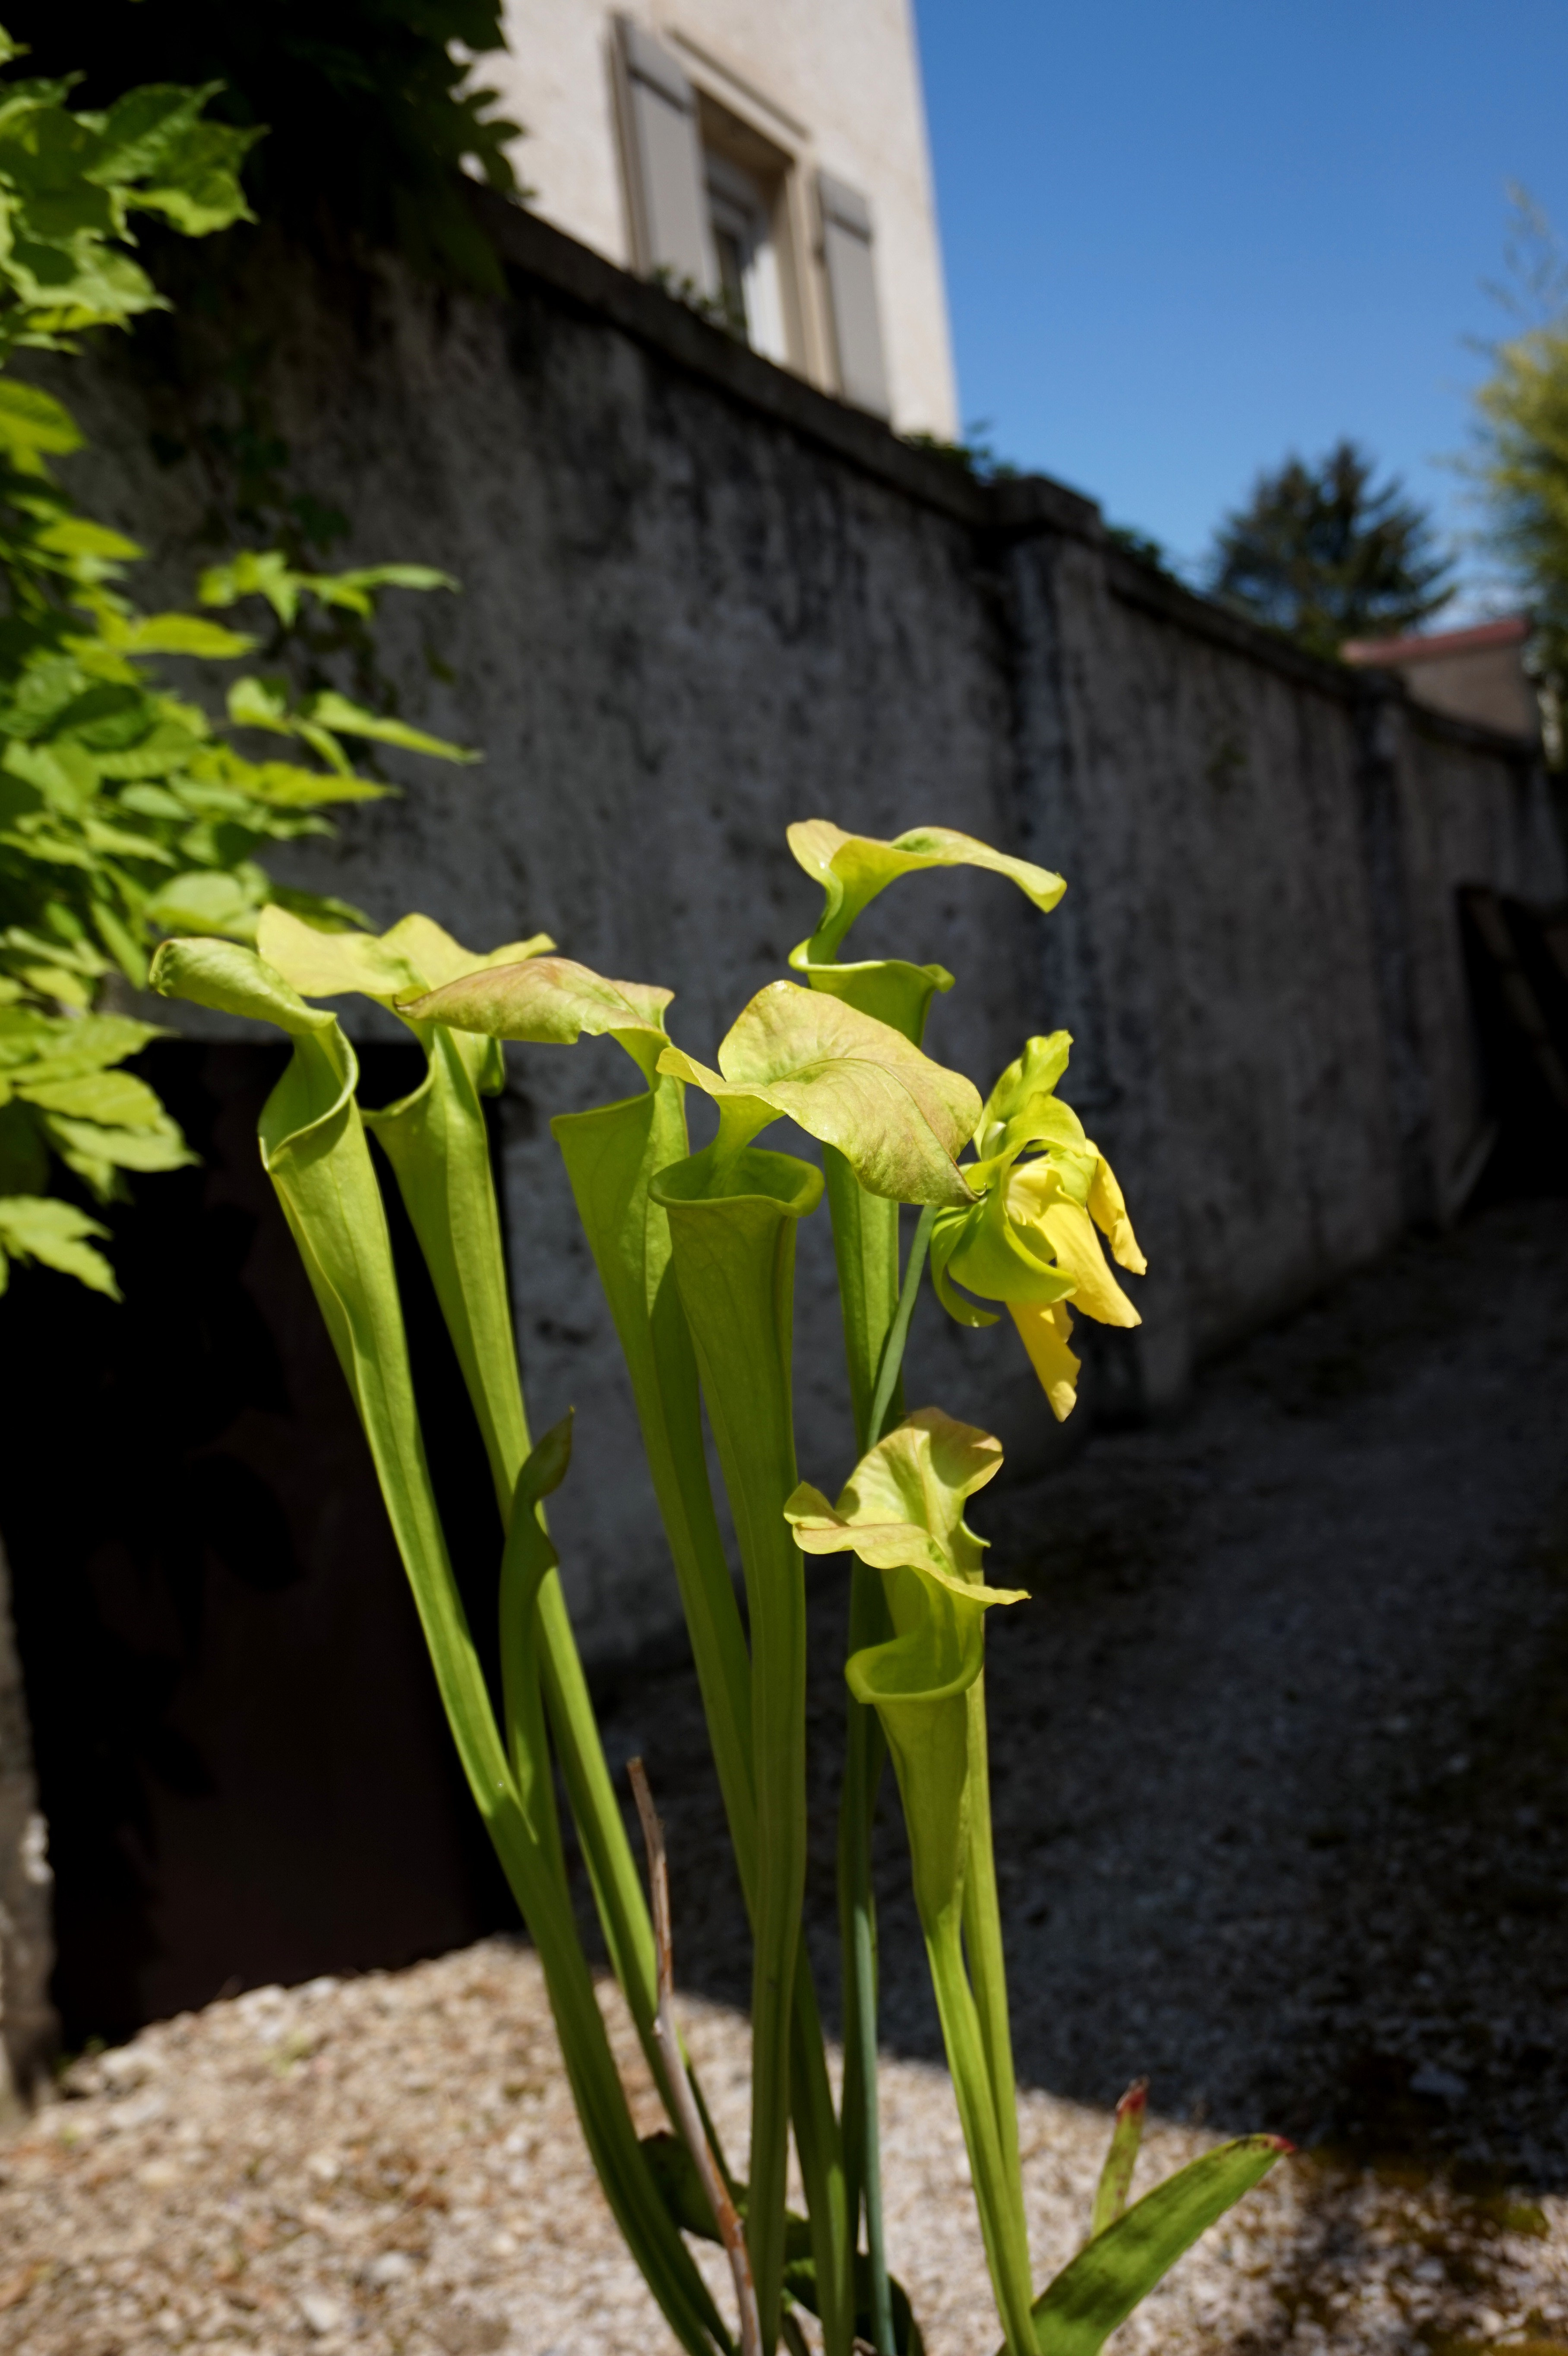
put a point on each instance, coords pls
(28, 2027)
(698, 601)
(391, 2167)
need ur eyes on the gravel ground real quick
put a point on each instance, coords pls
(1282, 1786)
(391, 2166)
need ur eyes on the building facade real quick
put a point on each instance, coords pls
(1478, 674)
(768, 163)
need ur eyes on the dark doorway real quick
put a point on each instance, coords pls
(242, 1757)
(1517, 960)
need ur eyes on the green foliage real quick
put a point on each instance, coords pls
(72, 182)
(1520, 463)
(696, 1254)
(127, 811)
(1325, 554)
(1141, 544)
(371, 119)
(974, 455)
(1122, 2262)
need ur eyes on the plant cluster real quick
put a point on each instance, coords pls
(1521, 463)
(371, 116)
(695, 1251)
(127, 810)
(975, 454)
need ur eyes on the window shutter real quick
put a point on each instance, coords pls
(852, 296)
(669, 203)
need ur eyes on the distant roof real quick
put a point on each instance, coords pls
(1511, 631)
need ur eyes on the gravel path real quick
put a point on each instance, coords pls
(391, 2166)
(1282, 1782)
(1280, 1753)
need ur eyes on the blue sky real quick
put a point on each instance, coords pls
(1185, 237)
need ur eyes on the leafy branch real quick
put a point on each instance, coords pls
(127, 811)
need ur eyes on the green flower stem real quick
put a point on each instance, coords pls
(613, 1154)
(983, 1934)
(865, 1752)
(438, 1146)
(732, 1238)
(931, 1735)
(997, 2191)
(820, 2149)
(887, 1407)
(877, 1314)
(314, 1150)
(866, 1249)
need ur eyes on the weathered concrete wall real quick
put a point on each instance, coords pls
(1260, 954)
(27, 2025)
(699, 601)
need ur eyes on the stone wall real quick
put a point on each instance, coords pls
(699, 600)
(27, 2030)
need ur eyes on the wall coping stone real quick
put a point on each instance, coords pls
(1135, 583)
(1014, 509)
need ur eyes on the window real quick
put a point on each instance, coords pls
(743, 244)
(722, 211)
(848, 258)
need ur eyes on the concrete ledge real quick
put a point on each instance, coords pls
(1017, 508)
(530, 248)
(1021, 504)
(1152, 591)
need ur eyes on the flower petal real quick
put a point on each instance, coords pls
(1035, 1072)
(1044, 1333)
(1109, 1213)
(1094, 1290)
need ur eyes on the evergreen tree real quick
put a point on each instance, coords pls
(1326, 555)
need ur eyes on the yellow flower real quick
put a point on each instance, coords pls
(1030, 1241)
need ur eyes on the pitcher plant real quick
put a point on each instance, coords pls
(695, 1251)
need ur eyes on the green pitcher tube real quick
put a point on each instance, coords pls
(612, 1155)
(866, 1250)
(732, 1232)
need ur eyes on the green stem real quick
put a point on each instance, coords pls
(890, 1372)
(921, 1684)
(866, 1249)
(983, 1932)
(439, 1149)
(865, 1754)
(998, 2194)
(732, 1235)
(613, 1154)
(314, 1150)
